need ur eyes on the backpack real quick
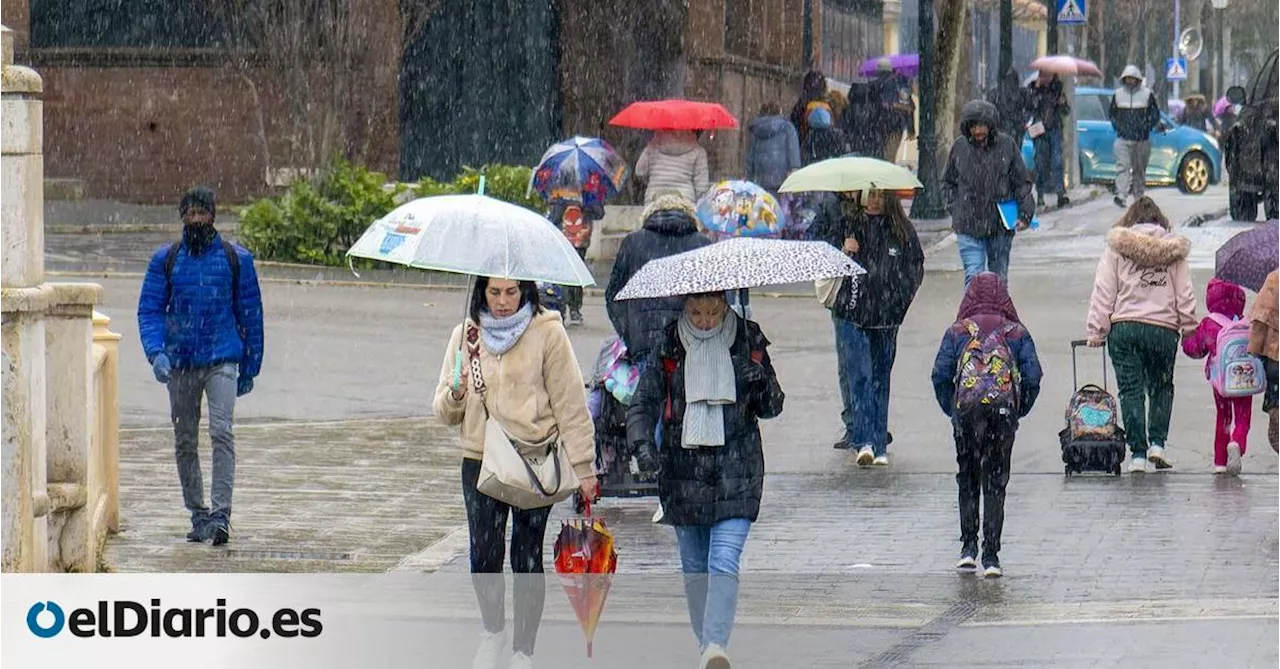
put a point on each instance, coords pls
(233, 261)
(987, 375)
(1233, 370)
(1092, 415)
(817, 114)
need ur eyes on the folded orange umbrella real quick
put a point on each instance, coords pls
(586, 561)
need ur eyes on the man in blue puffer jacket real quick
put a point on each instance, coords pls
(200, 319)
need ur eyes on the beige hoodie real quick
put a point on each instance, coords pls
(532, 389)
(1143, 277)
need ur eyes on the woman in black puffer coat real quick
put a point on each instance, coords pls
(709, 383)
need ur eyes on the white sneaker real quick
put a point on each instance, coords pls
(1233, 459)
(1219, 469)
(714, 657)
(1155, 456)
(1138, 466)
(489, 654)
(881, 461)
(866, 456)
(521, 661)
(657, 515)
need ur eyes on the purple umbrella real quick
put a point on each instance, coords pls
(1247, 258)
(906, 64)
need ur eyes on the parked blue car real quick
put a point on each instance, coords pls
(1181, 155)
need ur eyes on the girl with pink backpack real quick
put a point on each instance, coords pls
(1235, 374)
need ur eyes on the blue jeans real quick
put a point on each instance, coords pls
(865, 358)
(985, 254)
(709, 558)
(1049, 162)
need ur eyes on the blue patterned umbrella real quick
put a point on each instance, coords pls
(740, 209)
(1247, 258)
(581, 169)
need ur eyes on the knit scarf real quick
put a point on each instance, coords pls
(709, 381)
(500, 334)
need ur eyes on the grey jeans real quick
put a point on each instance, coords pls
(1131, 167)
(187, 387)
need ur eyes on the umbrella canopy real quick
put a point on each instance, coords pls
(1066, 65)
(582, 169)
(476, 235)
(852, 173)
(739, 263)
(1247, 258)
(586, 560)
(906, 64)
(740, 209)
(674, 115)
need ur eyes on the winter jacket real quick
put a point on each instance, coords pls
(1134, 113)
(987, 303)
(979, 176)
(673, 162)
(1264, 336)
(773, 151)
(669, 228)
(532, 390)
(702, 486)
(822, 143)
(1222, 298)
(1143, 277)
(894, 270)
(1048, 103)
(195, 318)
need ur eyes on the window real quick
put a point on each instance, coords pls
(123, 24)
(851, 33)
(1092, 107)
(737, 27)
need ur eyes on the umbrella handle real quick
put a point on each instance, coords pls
(352, 267)
(481, 191)
(457, 370)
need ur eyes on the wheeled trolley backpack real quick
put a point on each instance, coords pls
(1092, 440)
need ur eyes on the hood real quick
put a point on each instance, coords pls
(674, 142)
(1149, 245)
(1132, 71)
(1224, 297)
(767, 127)
(670, 215)
(987, 295)
(978, 111)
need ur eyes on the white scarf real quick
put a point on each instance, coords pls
(709, 381)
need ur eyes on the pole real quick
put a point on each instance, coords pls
(1006, 39)
(1177, 30)
(1108, 20)
(1221, 88)
(1051, 39)
(928, 204)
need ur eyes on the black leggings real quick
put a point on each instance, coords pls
(487, 522)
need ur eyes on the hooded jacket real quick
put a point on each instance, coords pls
(773, 151)
(1264, 336)
(1223, 298)
(1143, 277)
(669, 228)
(987, 303)
(673, 162)
(1134, 112)
(979, 176)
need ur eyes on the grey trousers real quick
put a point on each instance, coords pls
(187, 387)
(1131, 167)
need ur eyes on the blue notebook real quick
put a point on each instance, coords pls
(1009, 215)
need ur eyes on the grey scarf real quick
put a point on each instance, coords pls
(500, 334)
(709, 381)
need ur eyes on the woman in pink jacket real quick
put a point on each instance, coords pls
(1142, 303)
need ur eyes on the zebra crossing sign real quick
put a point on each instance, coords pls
(1072, 13)
(1175, 69)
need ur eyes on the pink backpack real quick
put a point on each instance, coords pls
(1233, 370)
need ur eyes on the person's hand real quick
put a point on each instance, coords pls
(1096, 342)
(590, 489)
(647, 461)
(244, 385)
(751, 372)
(1023, 225)
(162, 368)
(850, 246)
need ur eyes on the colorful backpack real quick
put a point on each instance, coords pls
(615, 373)
(1092, 414)
(818, 115)
(988, 378)
(1233, 370)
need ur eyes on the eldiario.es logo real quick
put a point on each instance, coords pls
(124, 618)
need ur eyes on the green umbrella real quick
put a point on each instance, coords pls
(853, 173)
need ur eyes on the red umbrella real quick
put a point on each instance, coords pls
(674, 115)
(1066, 65)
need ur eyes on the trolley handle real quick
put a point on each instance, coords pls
(1085, 343)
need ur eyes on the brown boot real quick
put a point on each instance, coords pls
(1273, 431)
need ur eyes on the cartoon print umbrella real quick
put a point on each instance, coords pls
(1247, 258)
(586, 560)
(740, 209)
(581, 169)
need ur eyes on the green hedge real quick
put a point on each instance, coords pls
(315, 221)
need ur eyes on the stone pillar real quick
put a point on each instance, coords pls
(890, 14)
(108, 419)
(22, 334)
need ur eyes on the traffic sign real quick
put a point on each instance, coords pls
(1175, 69)
(1072, 12)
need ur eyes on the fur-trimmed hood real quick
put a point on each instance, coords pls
(671, 215)
(1149, 245)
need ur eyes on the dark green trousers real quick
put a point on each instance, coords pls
(1143, 356)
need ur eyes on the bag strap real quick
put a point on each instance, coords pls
(1221, 319)
(471, 337)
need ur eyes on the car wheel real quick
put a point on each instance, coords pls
(1243, 205)
(1193, 173)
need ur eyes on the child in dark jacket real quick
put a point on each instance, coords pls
(1226, 301)
(984, 433)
